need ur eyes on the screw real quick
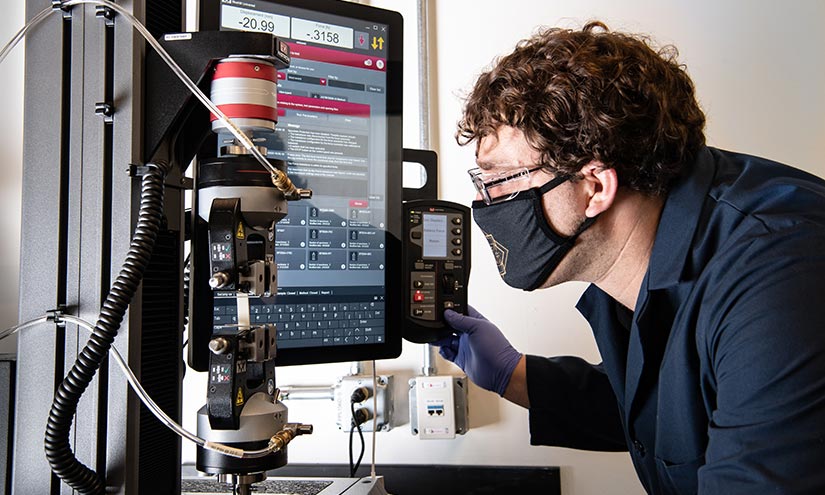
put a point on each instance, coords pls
(219, 280)
(212, 390)
(227, 237)
(219, 345)
(270, 386)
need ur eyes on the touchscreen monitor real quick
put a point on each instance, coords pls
(339, 130)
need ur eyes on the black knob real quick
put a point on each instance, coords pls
(448, 283)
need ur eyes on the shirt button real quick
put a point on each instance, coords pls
(639, 447)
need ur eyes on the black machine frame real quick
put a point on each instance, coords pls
(83, 115)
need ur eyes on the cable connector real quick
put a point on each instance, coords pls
(361, 416)
(360, 394)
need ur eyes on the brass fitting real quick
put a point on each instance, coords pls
(289, 431)
(285, 185)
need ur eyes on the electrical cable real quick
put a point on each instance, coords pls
(58, 447)
(356, 424)
(351, 431)
(360, 416)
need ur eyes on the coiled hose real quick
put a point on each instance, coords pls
(58, 448)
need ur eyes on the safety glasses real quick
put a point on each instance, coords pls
(498, 187)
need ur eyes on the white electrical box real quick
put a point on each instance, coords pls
(438, 406)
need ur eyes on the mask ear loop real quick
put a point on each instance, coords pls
(557, 181)
(538, 209)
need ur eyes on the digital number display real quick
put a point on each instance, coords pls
(435, 236)
(319, 32)
(254, 20)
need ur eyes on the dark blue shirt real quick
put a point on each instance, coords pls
(715, 383)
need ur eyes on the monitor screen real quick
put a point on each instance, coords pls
(339, 130)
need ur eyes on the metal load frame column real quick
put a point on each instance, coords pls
(82, 128)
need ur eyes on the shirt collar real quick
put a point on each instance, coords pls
(679, 220)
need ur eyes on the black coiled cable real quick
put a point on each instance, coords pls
(58, 448)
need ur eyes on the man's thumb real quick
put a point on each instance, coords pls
(459, 322)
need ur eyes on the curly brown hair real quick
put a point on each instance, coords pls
(593, 94)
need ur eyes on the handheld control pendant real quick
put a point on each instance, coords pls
(437, 266)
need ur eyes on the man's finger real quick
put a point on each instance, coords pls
(459, 322)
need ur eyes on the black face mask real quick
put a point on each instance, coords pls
(525, 247)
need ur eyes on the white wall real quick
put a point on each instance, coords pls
(11, 157)
(760, 74)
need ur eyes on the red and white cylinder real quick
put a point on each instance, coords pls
(246, 90)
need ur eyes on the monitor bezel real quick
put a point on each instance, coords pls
(209, 20)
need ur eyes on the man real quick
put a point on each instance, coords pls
(707, 268)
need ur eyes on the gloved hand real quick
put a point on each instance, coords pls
(480, 349)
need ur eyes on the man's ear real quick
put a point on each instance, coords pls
(601, 183)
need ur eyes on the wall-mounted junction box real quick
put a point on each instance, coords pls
(343, 390)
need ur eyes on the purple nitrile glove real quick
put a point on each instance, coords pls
(480, 349)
